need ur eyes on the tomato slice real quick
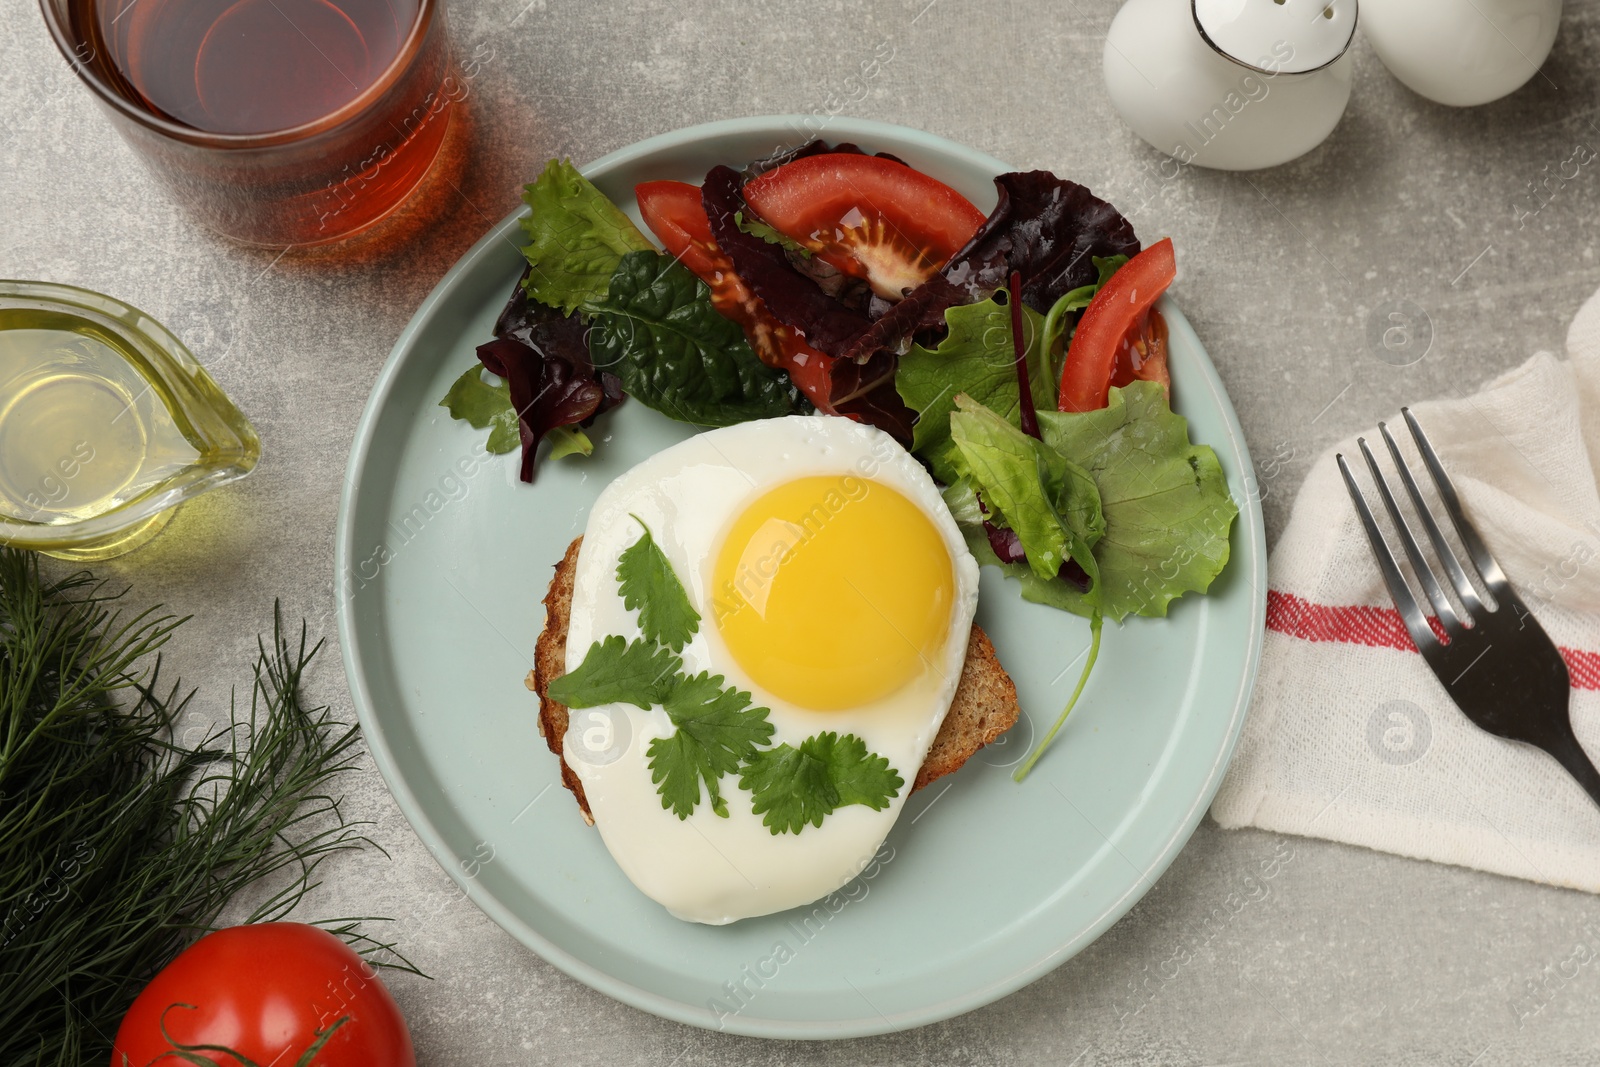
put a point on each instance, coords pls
(1120, 336)
(866, 216)
(677, 216)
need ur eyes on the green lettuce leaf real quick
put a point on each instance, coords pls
(484, 406)
(576, 238)
(976, 358)
(657, 331)
(1050, 501)
(757, 228)
(1166, 503)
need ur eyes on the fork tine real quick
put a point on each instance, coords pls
(1419, 562)
(1447, 554)
(1399, 592)
(1488, 569)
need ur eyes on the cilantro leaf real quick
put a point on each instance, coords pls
(576, 238)
(615, 671)
(650, 586)
(656, 330)
(976, 358)
(484, 406)
(756, 228)
(717, 730)
(1166, 503)
(793, 786)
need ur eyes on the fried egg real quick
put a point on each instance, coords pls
(833, 586)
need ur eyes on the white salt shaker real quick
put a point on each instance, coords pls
(1231, 84)
(1461, 52)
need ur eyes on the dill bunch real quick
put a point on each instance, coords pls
(119, 846)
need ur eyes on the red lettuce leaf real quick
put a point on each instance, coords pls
(866, 393)
(1047, 229)
(795, 300)
(544, 357)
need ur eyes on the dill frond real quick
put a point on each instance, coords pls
(119, 846)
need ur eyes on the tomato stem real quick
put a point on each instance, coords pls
(1029, 415)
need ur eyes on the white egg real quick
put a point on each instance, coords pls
(712, 869)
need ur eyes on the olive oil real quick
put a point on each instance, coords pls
(106, 424)
(82, 429)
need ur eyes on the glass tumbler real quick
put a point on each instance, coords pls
(275, 122)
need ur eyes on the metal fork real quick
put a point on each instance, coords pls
(1499, 666)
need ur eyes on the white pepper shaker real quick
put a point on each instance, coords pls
(1231, 84)
(1461, 52)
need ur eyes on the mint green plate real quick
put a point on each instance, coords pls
(983, 886)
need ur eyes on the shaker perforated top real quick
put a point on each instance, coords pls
(1278, 36)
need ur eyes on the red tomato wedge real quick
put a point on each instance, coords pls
(1120, 336)
(675, 214)
(868, 217)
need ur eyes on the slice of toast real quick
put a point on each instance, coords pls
(984, 707)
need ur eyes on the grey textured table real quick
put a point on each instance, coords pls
(1350, 956)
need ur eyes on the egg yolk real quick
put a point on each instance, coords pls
(833, 591)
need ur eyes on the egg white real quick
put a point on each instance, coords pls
(706, 868)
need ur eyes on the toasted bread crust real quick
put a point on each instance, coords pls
(984, 707)
(550, 663)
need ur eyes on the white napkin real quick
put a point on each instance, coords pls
(1350, 737)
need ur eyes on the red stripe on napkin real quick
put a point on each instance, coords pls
(1383, 628)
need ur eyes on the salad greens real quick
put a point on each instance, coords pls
(1105, 513)
(716, 730)
(1141, 512)
(484, 406)
(576, 238)
(676, 353)
(599, 312)
(974, 358)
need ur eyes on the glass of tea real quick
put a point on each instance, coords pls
(277, 122)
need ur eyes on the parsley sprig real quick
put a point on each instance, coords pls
(718, 731)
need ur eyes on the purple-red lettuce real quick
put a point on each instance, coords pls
(544, 357)
(1046, 229)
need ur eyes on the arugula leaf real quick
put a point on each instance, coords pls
(615, 671)
(484, 406)
(576, 237)
(976, 358)
(568, 441)
(650, 586)
(756, 228)
(717, 731)
(1050, 501)
(1166, 503)
(656, 329)
(792, 787)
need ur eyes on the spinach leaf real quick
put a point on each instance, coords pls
(657, 331)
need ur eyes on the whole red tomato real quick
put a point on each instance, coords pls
(267, 992)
